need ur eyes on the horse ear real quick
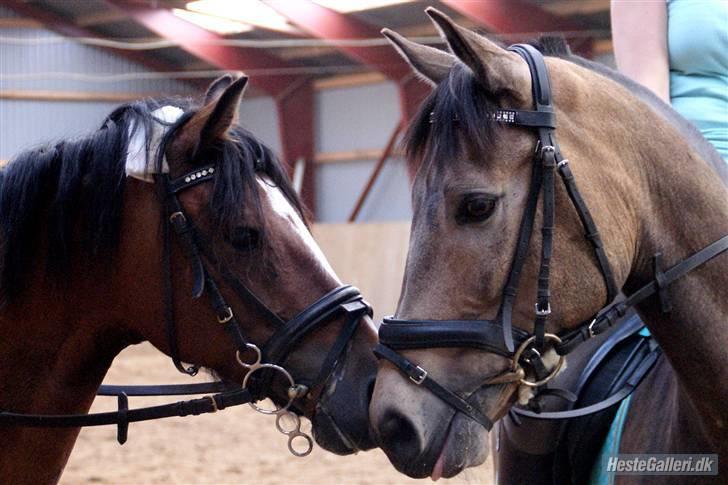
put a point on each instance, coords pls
(217, 87)
(432, 65)
(210, 124)
(497, 69)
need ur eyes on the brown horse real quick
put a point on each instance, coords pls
(649, 190)
(82, 272)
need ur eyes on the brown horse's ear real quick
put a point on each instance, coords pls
(499, 70)
(432, 65)
(217, 87)
(210, 124)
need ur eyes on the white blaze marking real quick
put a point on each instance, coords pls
(284, 209)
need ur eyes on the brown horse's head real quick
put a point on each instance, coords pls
(250, 219)
(471, 180)
(104, 201)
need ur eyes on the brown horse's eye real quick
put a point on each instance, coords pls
(245, 238)
(475, 208)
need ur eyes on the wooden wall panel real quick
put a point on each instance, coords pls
(369, 256)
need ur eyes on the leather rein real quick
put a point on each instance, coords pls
(344, 300)
(499, 336)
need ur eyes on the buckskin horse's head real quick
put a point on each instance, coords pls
(472, 178)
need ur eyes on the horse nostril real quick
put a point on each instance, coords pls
(398, 437)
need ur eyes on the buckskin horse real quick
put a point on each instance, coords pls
(643, 208)
(170, 224)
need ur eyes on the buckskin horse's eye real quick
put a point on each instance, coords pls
(245, 238)
(475, 208)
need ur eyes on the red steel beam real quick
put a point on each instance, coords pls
(293, 94)
(67, 28)
(296, 125)
(518, 16)
(512, 16)
(323, 23)
(201, 43)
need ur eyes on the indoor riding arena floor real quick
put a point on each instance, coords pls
(235, 446)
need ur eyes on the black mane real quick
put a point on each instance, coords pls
(68, 195)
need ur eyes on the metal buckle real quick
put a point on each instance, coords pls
(533, 351)
(213, 402)
(177, 214)
(590, 328)
(226, 318)
(563, 162)
(420, 378)
(545, 312)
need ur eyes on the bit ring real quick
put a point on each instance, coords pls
(522, 348)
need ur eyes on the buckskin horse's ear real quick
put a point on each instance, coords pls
(432, 65)
(499, 70)
(210, 124)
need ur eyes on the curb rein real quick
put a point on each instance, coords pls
(345, 299)
(499, 336)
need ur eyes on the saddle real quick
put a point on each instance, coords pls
(615, 363)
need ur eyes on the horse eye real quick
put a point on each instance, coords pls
(245, 238)
(475, 208)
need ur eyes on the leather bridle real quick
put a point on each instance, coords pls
(344, 301)
(498, 336)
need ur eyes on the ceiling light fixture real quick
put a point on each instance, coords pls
(348, 6)
(214, 24)
(251, 12)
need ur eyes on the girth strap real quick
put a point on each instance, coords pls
(419, 376)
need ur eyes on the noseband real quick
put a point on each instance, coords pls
(499, 336)
(260, 371)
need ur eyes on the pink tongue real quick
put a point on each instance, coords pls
(437, 470)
